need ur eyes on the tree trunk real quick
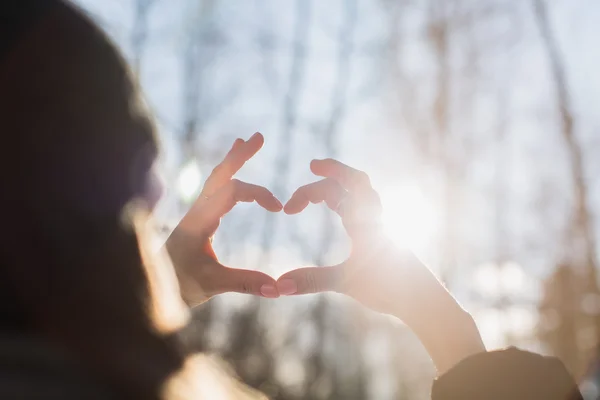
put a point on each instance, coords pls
(290, 110)
(582, 241)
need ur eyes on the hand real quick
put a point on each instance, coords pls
(199, 272)
(371, 274)
(378, 274)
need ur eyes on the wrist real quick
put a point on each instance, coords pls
(186, 256)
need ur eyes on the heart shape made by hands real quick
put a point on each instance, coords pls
(343, 189)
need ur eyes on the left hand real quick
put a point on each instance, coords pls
(368, 275)
(378, 274)
(200, 273)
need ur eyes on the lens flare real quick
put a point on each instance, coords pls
(189, 180)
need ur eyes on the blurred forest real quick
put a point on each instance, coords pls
(476, 121)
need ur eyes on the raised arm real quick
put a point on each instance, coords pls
(378, 274)
(394, 281)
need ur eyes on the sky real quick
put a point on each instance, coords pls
(245, 79)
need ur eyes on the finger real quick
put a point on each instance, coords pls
(227, 197)
(311, 280)
(351, 179)
(246, 281)
(327, 190)
(252, 146)
(221, 173)
(240, 152)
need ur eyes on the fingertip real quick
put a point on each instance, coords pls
(316, 165)
(254, 144)
(291, 209)
(286, 286)
(237, 142)
(258, 137)
(247, 281)
(275, 205)
(268, 201)
(269, 291)
(279, 204)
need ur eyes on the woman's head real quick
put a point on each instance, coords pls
(78, 148)
(70, 101)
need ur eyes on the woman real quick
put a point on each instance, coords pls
(78, 150)
(87, 313)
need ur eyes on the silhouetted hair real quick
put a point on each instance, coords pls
(77, 147)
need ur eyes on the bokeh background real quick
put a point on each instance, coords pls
(477, 122)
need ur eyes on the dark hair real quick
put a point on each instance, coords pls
(77, 146)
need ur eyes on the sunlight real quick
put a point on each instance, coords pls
(409, 218)
(189, 181)
(513, 277)
(491, 280)
(487, 279)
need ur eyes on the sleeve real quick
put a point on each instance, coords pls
(507, 374)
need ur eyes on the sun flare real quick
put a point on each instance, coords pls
(409, 218)
(189, 181)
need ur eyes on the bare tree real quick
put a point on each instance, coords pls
(560, 315)
(290, 110)
(139, 34)
(581, 233)
(194, 58)
(440, 126)
(248, 336)
(338, 109)
(439, 36)
(316, 363)
(430, 125)
(267, 41)
(582, 218)
(501, 199)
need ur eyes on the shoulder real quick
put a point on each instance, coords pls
(31, 368)
(507, 374)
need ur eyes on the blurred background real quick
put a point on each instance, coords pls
(476, 121)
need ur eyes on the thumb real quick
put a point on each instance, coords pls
(246, 281)
(311, 280)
